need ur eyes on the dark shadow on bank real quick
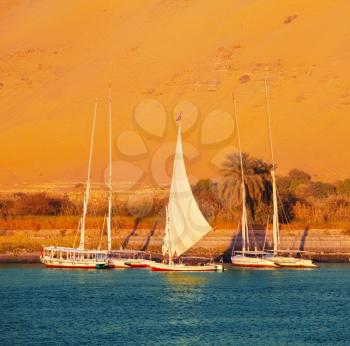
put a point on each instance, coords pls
(303, 238)
(149, 237)
(132, 233)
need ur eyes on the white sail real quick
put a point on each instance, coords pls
(187, 225)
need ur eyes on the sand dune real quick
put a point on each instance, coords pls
(56, 57)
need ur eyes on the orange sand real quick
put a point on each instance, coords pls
(57, 56)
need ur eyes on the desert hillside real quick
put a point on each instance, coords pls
(161, 57)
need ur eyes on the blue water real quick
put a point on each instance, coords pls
(41, 306)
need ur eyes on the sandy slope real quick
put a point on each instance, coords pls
(56, 57)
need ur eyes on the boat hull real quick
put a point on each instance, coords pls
(117, 263)
(292, 262)
(139, 263)
(253, 262)
(74, 264)
(163, 267)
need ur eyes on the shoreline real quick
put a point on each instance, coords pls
(33, 257)
(25, 258)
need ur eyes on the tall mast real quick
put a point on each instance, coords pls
(275, 227)
(110, 192)
(245, 235)
(170, 255)
(88, 185)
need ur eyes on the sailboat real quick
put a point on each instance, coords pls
(276, 256)
(185, 224)
(66, 257)
(119, 259)
(246, 258)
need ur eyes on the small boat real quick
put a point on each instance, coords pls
(289, 261)
(246, 258)
(186, 268)
(139, 263)
(66, 257)
(117, 263)
(70, 258)
(185, 224)
(275, 255)
(254, 259)
(119, 259)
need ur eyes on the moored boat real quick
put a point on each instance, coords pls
(275, 255)
(119, 259)
(139, 263)
(291, 262)
(70, 258)
(177, 267)
(246, 258)
(252, 259)
(185, 223)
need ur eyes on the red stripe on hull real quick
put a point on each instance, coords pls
(171, 270)
(136, 265)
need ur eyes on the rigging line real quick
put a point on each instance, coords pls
(238, 137)
(282, 208)
(254, 240)
(76, 233)
(234, 243)
(244, 211)
(269, 121)
(103, 226)
(88, 183)
(266, 230)
(287, 219)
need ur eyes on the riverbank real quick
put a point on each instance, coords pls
(322, 245)
(20, 257)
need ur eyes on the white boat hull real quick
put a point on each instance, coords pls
(73, 264)
(254, 262)
(292, 262)
(139, 263)
(186, 268)
(118, 263)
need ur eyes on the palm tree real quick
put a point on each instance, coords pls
(257, 181)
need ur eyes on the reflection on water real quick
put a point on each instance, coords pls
(183, 287)
(183, 280)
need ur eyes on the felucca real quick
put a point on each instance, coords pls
(66, 257)
(246, 258)
(276, 255)
(185, 224)
(119, 259)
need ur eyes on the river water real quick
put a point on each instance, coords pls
(40, 306)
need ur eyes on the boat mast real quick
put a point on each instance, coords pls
(88, 185)
(110, 192)
(245, 235)
(170, 256)
(275, 226)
